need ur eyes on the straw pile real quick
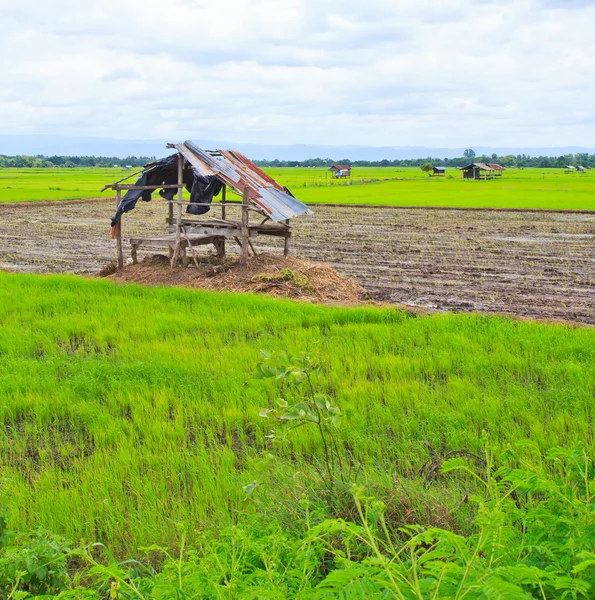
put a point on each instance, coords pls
(277, 276)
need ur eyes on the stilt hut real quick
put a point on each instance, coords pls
(478, 171)
(340, 171)
(265, 208)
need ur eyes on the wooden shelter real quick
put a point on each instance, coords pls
(481, 171)
(439, 170)
(341, 170)
(261, 197)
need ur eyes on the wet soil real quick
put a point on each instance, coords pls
(526, 263)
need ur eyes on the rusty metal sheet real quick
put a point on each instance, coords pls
(239, 173)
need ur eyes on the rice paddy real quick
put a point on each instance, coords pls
(131, 416)
(527, 188)
(128, 413)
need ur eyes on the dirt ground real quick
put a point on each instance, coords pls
(526, 263)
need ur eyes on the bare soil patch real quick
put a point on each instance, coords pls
(529, 263)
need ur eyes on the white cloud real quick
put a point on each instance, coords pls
(380, 72)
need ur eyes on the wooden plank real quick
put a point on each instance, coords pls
(110, 185)
(227, 232)
(130, 186)
(192, 238)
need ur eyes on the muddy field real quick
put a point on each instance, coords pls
(533, 264)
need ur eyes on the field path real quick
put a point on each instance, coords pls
(527, 263)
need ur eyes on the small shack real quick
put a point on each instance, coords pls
(478, 171)
(439, 170)
(206, 174)
(581, 169)
(341, 170)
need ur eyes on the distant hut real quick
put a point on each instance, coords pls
(439, 170)
(341, 170)
(569, 169)
(581, 169)
(478, 171)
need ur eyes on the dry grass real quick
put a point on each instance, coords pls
(277, 276)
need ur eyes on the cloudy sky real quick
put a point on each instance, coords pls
(374, 72)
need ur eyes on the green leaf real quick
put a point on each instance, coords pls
(250, 487)
(291, 415)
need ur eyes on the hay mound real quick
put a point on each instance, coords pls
(288, 277)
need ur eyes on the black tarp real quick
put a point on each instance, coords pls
(165, 172)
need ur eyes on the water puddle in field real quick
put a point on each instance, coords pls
(552, 239)
(581, 218)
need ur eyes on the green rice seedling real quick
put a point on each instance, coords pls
(393, 186)
(127, 410)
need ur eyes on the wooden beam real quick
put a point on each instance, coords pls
(109, 185)
(131, 186)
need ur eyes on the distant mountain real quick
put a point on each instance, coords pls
(87, 146)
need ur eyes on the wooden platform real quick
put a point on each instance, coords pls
(233, 229)
(169, 241)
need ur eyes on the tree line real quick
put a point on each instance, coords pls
(39, 161)
(521, 160)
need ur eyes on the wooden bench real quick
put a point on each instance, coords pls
(169, 241)
(233, 229)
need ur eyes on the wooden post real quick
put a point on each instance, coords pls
(119, 232)
(174, 259)
(245, 233)
(223, 201)
(170, 222)
(221, 246)
(286, 243)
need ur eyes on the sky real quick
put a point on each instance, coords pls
(376, 72)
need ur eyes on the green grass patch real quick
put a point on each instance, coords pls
(129, 410)
(393, 186)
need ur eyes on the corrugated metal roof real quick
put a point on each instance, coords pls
(340, 168)
(481, 166)
(239, 173)
(496, 167)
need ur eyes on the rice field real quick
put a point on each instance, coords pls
(528, 188)
(129, 414)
